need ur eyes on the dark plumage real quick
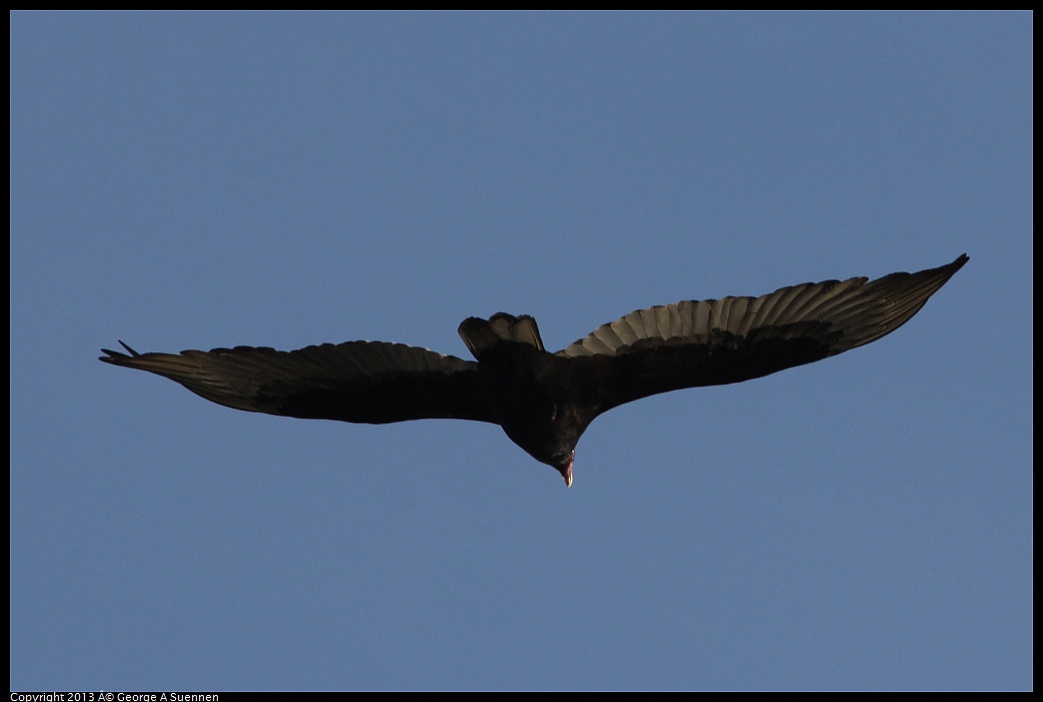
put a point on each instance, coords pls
(544, 401)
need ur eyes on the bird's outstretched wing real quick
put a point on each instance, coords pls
(359, 381)
(714, 342)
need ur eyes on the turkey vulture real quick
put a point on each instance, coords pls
(544, 401)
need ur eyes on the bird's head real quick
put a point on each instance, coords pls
(565, 468)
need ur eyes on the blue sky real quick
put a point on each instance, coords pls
(191, 181)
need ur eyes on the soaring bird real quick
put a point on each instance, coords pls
(545, 401)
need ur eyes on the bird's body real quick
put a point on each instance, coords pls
(545, 401)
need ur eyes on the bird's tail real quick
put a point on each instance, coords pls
(481, 335)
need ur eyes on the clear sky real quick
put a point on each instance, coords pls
(200, 180)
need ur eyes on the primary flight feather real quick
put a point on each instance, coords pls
(545, 401)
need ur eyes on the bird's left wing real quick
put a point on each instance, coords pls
(714, 342)
(370, 382)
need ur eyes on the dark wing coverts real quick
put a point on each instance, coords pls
(359, 381)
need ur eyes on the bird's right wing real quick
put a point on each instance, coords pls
(370, 382)
(714, 342)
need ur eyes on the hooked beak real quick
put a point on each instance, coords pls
(566, 470)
